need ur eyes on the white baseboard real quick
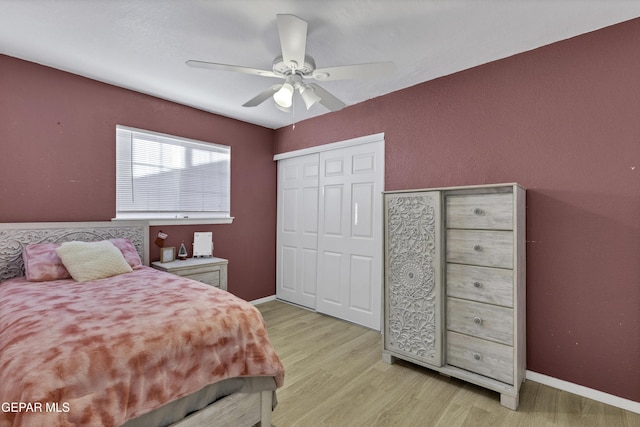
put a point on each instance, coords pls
(262, 300)
(589, 393)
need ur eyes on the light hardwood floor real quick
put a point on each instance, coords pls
(334, 376)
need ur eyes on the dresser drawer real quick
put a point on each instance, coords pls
(480, 211)
(210, 278)
(480, 320)
(483, 284)
(483, 357)
(480, 247)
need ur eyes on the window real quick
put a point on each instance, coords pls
(162, 176)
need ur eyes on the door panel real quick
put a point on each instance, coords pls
(351, 183)
(290, 210)
(360, 296)
(333, 210)
(288, 258)
(334, 166)
(363, 208)
(309, 272)
(364, 163)
(297, 234)
(310, 211)
(332, 262)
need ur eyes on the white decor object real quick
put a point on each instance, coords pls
(455, 283)
(167, 254)
(182, 252)
(202, 244)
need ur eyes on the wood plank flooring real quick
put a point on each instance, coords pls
(334, 376)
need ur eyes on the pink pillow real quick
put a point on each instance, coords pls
(42, 263)
(128, 251)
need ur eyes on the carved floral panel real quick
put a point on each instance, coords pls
(412, 324)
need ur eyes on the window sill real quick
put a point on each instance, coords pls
(180, 221)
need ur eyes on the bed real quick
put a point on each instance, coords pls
(136, 348)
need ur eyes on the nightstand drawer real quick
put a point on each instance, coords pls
(211, 271)
(480, 247)
(483, 357)
(195, 270)
(480, 320)
(480, 211)
(483, 284)
(210, 278)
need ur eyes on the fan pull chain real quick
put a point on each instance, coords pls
(293, 115)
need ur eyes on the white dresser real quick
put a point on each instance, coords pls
(455, 283)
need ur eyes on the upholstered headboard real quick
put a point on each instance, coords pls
(15, 236)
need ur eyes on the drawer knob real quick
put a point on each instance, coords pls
(477, 248)
(477, 356)
(478, 211)
(477, 285)
(477, 320)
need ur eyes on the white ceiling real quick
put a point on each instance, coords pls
(143, 44)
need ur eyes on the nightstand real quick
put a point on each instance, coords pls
(212, 271)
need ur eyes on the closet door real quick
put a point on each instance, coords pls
(350, 233)
(297, 234)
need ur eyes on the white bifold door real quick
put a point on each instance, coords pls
(329, 235)
(297, 237)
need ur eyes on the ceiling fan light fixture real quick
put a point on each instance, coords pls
(309, 96)
(284, 96)
(281, 108)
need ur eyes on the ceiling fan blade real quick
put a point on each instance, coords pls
(327, 99)
(262, 96)
(374, 69)
(234, 68)
(293, 39)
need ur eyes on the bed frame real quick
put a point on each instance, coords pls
(238, 409)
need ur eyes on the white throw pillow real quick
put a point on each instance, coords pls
(92, 260)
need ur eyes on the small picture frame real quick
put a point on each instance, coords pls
(167, 254)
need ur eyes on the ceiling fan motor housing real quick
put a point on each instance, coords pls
(280, 67)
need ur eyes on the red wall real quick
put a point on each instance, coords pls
(564, 121)
(57, 163)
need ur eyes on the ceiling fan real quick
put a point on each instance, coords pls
(295, 67)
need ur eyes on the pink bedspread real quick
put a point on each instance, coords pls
(102, 352)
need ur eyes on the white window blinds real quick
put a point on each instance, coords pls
(163, 176)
